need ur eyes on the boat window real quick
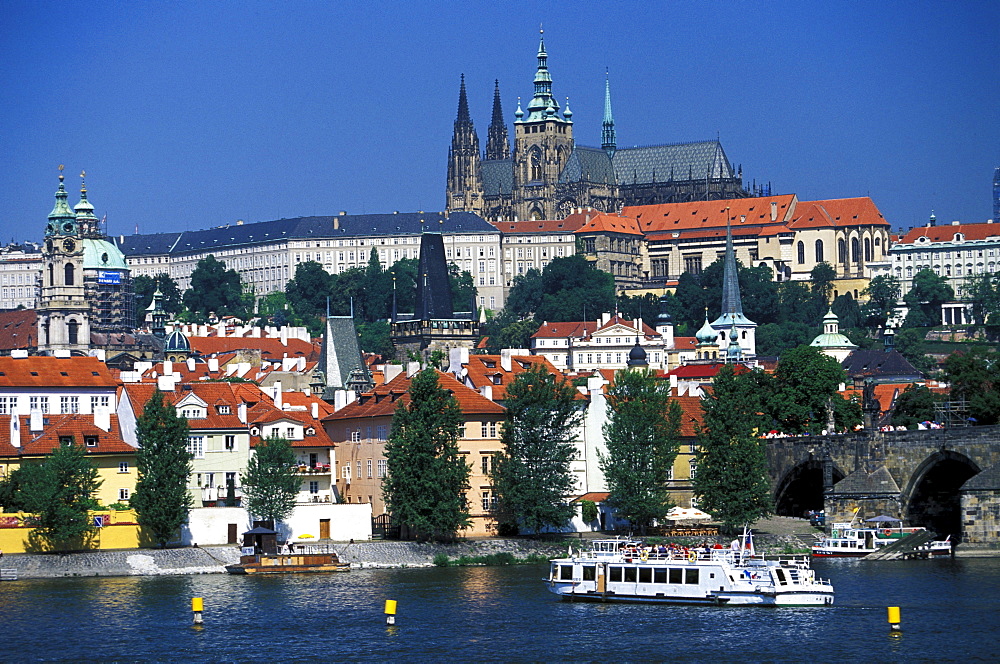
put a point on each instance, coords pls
(566, 572)
(629, 574)
(645, 575)
(660, 575)
(781, 576)
(691, 577)
(614, 574)
(676, 575)
(589, 572)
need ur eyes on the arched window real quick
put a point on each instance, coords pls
(801, 247)
(536, 165)
(52, 275)
(855, 250)
(868, 250)
(69, 274)
(73, 329)
(819, 251)
(841, 251)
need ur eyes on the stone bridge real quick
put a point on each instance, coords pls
(947, 480)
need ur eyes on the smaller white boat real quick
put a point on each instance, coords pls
(847, 541)
(620, 570)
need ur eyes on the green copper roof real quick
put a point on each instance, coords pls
(61, 209)
(101, 254)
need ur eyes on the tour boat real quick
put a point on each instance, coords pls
(621, 570)
(847, 541)
(288, 563)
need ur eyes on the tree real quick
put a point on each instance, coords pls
(463, 289)
(883, 294)
(915, 404)
(424, 488)
(377, 290)
(692, 301)
(573, 289)
(822, 276)
(847, 310)
(805, 382)
(925, 298)
(731, 480)
(532, 474)
(642, 435)
(909, 341)
(798, 304)
(525, 294)
(774, 339)
(974, 375)
(161, 498)
(216, 289)
(270, 483)
(308, 290)
(982, 291)
(59, 492)
(376, 337)
(144, 288)
(646, 307)
(506, 330)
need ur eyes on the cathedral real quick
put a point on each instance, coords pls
(546, 174)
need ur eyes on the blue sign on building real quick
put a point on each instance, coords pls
(107, 277)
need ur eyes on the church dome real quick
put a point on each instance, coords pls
(637, 356)
(101, 254)
(706, 335)
(177, 343)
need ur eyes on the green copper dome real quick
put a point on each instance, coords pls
(101, 254)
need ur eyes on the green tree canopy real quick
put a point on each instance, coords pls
(925, 298)
(805, 382)
(525, 294)
(163, 462)
(145, 286)
(59, 492)
(424, 488)
(822, 277)
(308, 290)
(532, 474)
(463, 289)
(914, 405)
(883, 293)
(773, 339)
(642, 435)
(731, 481)
(573, 289)
(270, 483)
(216, 289)
(974, 375)
(506, 330)
(982, 292)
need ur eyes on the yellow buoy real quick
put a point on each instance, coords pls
(197, 606)
(390, 612)
(894, 618)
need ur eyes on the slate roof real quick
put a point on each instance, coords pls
(861, 481)
(588, 165)
(661, 163)
(366, 225)
(55, 372)
(498, 176)
(341, 353)
(880, 365)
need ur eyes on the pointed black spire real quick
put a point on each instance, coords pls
(497, 143)
(463, 105)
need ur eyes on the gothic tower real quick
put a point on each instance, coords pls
(63, 311)
(543, 142)
(465, 182)
(731, 322)
(497, 144)
(608, 143)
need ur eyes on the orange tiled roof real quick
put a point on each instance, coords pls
(270, 349)
(947, 233)
(18, 329)
(709, 214)
(837, 212)
(44, 371)
(78, 426)
(692, 416)
(213, 394)
(611, 223)
(483, 368)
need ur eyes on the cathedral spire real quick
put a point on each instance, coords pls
(732, 303)
(463, 104)
(464, 189)
(608, 125)
(497, 143)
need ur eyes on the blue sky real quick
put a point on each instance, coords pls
(187, 115)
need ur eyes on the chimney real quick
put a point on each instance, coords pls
(277, 395)
(15, 430)
(241, 412)
(284, 335)
(673, 381)
(165, 383)
(412, 368)
(102, 418)
(487, 391)
(774, 210)
(391, 371)
(213, 364)
(168, 367)
(314, 411)
(190, 364)
(336, 223)
(37, 421)
(505, 362)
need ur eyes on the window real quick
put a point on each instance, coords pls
(485, 461)
(693, 468)
(65, 440)
(313, 487)
(224, 410)
(290, 433)
(69, 404)
(355, 435)
(692, 264)
(123, 467)
(96, 402)
(123, 495)
(382, 431)
(369, 468)
(493, 430)
(819, 251)
(90, 441)
(359, 470)
(7, 405)
(37, 403)
(801, 251)
(383, 467)
(230, 442)
(347, 472)
(196, 446)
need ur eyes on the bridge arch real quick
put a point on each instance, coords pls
(931, 498)
(801, 488)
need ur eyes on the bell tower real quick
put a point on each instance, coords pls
(63, 311)
(543, 142)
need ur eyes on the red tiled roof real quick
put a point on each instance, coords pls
(270, 349)
(483, 368)
(611, 223)
(45, 371)
(548, 226)
(595, 496)
(562, 330)
(18, 329)
(692, 416)
(78, 426)
(708, 214)
(213, 394)
(837, 212)
(947, 233)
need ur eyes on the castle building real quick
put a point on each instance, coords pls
(547, 174)
(86, 285)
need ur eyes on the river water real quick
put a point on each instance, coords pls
(950, 612)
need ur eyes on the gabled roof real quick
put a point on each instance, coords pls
(483, 368)
(947, 233)
(610, 223)
(555, 330)
(697, 215)
(591, 165)
(860, 211)
(634, 325)
(212, 394)
(55, 372)
(54, 427)
(341, 352)
(383, 400)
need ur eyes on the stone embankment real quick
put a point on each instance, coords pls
(375, 554)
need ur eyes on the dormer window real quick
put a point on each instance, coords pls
(65, 440)
(223, 410)
(498, 379)
(90, 441)
(310, 431)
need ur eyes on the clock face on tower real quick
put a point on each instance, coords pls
(69, 245)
